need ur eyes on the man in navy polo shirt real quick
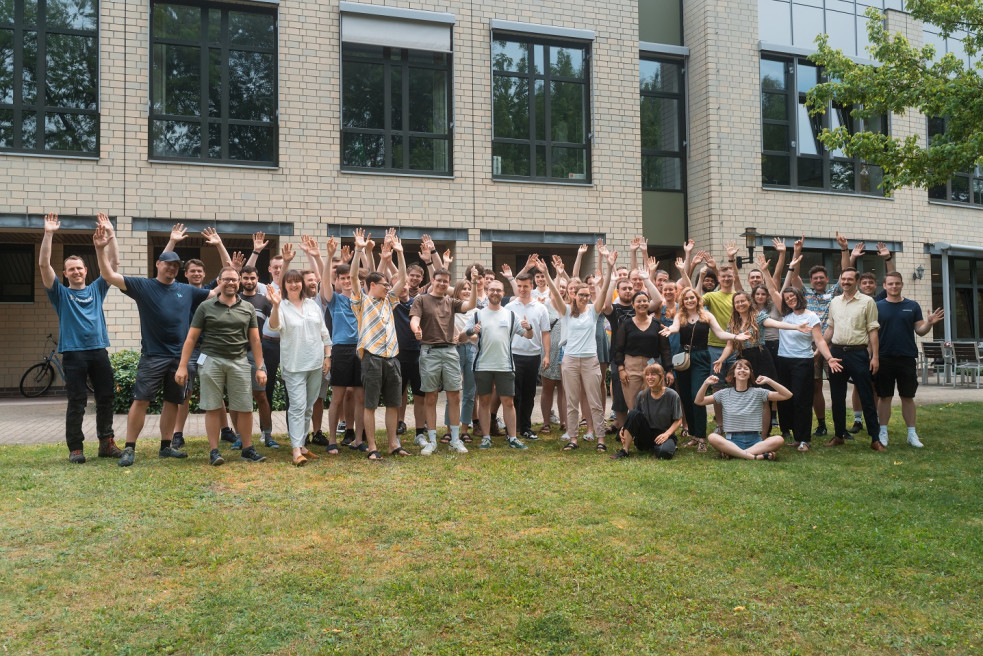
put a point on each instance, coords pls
(900, 319)
(165, 315)
(82, 339)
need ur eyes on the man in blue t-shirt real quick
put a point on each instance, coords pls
(900, 319)
(165, 316)
(82, 339)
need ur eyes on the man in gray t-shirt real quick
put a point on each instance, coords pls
(493, 369)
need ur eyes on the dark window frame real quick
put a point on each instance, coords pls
(962, 296)
(7, 252)
(947, 193)
(388, 132)
(40, 107)
(223, 120)
(679, 97)
(546, 77)
(794, 98)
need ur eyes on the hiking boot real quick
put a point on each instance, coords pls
(249, 453)
(228, 435)
(857, 426)
(215, 458)
(514, 443)
(127, 457)
(319, 438)
(401, 428)
(177, 441)
(171, 452)
(108, 448)
(76, 457)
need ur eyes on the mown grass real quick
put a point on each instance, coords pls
(500, 552)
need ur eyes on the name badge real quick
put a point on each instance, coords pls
(503, 324)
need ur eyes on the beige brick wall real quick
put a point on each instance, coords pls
(308, 189)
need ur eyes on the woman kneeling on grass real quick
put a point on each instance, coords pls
(743, 406)
(653, 421)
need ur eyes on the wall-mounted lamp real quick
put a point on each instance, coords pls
(919, 273)
(750, 238)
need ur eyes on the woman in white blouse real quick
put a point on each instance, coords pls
(305, 355)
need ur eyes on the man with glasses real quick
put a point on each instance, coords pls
(227, 326)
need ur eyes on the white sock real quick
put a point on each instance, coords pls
(488, 437)
(911, 431)
(883, 432)
(857, 416)
(455, 433)
(432, 434)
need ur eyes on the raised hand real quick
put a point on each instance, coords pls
(612, 257)
(762, 380)
(763, 262)
(386, 252)
(394, 241)
(582, 249)
(711, 380)
(882, 250)
(211, 236)
(525, 323)
(506, 271)
(474, 275)
(731, 249)
(99, 238)
(360, 239)
(51, 222)
(369, 242)
(778, 244)
(331, 247)
(653, 265)
(103, 220)
(531, 261)
(178, 232)
(273, 294)
(795, 261)
(427, 243)
(424, 256)
(306, 242)
(635, 244)
(557, 263)
(935, 317)
(346, 253)
(448, 258)
(601, 248)
(679, 263)
(798, 244)
(238, 260)
(841, 240)
(689, 246)
(259, 241)
(287, 251)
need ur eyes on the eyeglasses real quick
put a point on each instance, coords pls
(229, 279)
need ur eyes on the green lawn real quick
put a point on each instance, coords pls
(842, 551)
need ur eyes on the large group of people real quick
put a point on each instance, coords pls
(363, 325)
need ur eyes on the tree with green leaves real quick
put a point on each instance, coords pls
(908, 79)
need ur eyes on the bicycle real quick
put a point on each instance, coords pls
(38, 378)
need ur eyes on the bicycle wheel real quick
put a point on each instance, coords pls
(37, 379)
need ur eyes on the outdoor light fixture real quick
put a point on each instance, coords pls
(750, 238)
(919, 272)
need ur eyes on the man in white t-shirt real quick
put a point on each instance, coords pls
(530, 356)
(496, 327)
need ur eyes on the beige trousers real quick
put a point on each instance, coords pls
(635, 368)
(583, 374)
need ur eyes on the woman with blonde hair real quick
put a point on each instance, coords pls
(693, 323)
(652, 422)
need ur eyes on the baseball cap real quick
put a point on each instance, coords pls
(169, 256)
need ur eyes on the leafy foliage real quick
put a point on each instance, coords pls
(910, 79)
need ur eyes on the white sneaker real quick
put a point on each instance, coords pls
(501, 424)
(554, 419)
(565, 438)
(882, 438)
(914, 441)
(458, 445)
(485, 443)
(428, 449)
(420, 440)
(589, 437)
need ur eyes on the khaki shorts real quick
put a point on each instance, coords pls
(381, 378)
(219, 375)
(502, 381)
(440, 368)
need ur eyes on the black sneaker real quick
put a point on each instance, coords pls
(401, 428)
(348, 439)
(171, 452)
(529, 435)
(76, 457)
(319, 438)
(619, 454)
(251, 454)
(177, 442)
(215, 458)
(270, 443)
(126, 459)
(820, 430)
(857, 426)
(228, 435)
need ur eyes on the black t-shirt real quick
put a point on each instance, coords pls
(618, 314)
(263, 307)
(404, 336)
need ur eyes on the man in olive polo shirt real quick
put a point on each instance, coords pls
(227, 325)
(852, 327)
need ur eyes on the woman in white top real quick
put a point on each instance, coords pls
(305, 355)
(580, 368)
(465, 353)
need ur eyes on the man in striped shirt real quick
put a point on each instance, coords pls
(377, 345)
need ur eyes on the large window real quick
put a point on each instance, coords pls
(965, 314)
(395, 109)
(799, 22)
(541, 109)
(962, 187)
(17, 273)
(213, 83)
(663, 125)
(49, 76)
(792, 155)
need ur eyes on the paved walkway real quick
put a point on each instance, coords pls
(42, 421)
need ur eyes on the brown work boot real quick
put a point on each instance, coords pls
(836, 441)
(108, 448)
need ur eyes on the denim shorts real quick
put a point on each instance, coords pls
(745, 439)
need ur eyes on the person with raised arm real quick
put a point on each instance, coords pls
(165, 315)
(377, 344)
(227, 327)
(580, 368)
(83, 339)
(743, 405)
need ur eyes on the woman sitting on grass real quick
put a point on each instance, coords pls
(743, 406)
(653, 421)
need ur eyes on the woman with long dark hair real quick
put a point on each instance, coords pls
(638, 340)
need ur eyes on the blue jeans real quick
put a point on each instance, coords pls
(466, 353)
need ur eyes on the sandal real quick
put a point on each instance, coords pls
(570, 446)
(701, 446)
(332, 449)
(363, 447)
(803, 446)
(445, 438)
(400, 451)
(310, 455)
(377, 458)
(545, 429)
(601, 446)
(764, 456)
(300, 461)
(693, 442)
(466, 438)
